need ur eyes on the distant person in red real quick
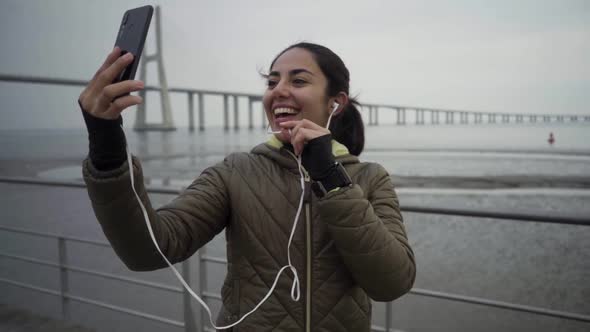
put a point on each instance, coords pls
(551, 139)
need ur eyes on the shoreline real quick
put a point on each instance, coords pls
(33, 169)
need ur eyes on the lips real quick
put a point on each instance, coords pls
(285, 118)
(283, 114)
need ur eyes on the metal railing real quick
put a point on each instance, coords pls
(193, 321)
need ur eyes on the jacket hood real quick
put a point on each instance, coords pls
(283, 155)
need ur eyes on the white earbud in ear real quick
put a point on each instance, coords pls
(334, 109)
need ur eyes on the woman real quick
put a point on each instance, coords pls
(349, 244)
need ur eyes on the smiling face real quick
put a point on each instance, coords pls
(296, 90)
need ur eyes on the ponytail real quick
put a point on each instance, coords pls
(347, 128)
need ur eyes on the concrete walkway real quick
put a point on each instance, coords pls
(18, 320)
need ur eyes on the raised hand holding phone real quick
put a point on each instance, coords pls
(98, 98)
(108, 92)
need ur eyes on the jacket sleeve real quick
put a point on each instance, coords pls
(370, 236)
(180, 227)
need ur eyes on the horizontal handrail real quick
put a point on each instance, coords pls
(105, 275)
(211, 295)
(220, 260)
(126, 310)
(96, 303)
(54, 236)
(500, 304)
(563, 220)
(76, 184)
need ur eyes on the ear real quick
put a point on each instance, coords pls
(342, 99)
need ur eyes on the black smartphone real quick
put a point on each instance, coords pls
(131, 37)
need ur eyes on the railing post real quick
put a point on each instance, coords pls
(404, 116)
(236, 115)
(189, 319)
(376, 115)
(201, 112)
(200, 285)
(225, 112)
(388, 317)
(370, 115)
(250, 120)
(63, 277)
(191, 112)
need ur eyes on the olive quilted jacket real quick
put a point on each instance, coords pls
(349, 247)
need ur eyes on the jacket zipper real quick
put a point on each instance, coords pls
(308, 245)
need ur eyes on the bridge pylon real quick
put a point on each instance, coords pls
(140, 117)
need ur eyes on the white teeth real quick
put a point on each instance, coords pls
(286, 110)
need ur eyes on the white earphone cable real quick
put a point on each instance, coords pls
(295, 289)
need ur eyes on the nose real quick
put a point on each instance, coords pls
(281, 90)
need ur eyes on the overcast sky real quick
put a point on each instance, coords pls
(506, 56)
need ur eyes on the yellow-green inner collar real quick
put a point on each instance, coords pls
(337, 148)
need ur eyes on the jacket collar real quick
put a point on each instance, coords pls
(283, 155)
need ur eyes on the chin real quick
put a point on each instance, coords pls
(283, 137)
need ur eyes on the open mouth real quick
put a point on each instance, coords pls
(284, 112)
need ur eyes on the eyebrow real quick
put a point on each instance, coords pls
(291, 72)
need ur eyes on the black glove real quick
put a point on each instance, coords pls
(106, 141)
(317, 157)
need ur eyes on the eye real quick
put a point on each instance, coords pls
(299, 81)
(271, 83)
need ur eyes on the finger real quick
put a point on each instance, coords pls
(110, 59)
(108, 75)
(120, 104)
(301, 123)
(299, 140)
(289, 124)
(311, 125)
(292, 127)
(112, 91)
(313, 130)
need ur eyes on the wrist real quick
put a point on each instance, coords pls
(96, 124)
(317, 157)
(106, 141)
(336, 178)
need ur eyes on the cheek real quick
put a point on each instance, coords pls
(266, 103)
(315, 108)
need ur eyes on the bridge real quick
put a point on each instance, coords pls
(404, 115)
(435, 116)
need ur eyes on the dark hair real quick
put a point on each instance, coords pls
(346, 126)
